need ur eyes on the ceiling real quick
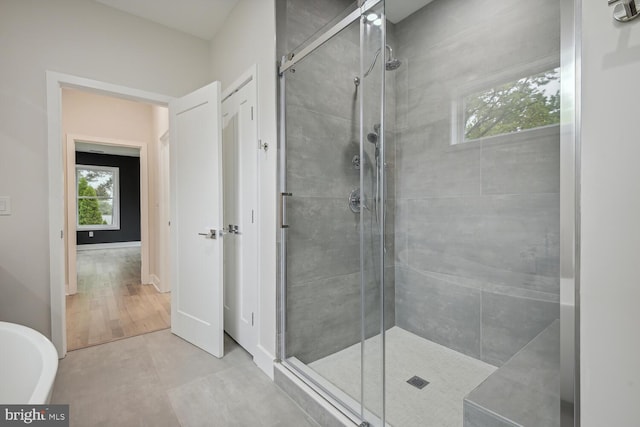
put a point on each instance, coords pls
(203, 18)
(397, 10)
(200, 18)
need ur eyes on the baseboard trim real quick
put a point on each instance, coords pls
(264, 360)
(155, 281)
(114, 245)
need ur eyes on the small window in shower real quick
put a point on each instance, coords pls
(526, 103)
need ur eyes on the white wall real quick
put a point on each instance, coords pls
(81, 38)
(247, 38)
(610, 272)
(91, 114)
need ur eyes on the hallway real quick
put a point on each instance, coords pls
(111, 303)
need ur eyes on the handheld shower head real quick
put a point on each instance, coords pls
(372, 137)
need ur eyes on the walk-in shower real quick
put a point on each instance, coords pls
(426, 171)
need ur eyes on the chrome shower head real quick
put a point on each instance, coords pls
(393, 64)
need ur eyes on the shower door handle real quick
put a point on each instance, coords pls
(282, 209)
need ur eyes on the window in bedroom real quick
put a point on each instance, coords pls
(97, 198)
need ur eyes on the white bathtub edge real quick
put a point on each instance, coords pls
(42, 391)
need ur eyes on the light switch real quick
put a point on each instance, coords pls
(5, 205)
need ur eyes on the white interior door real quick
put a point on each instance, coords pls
(240, 154)
(196, 218)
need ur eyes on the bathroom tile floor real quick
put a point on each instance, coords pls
(158, 380)
(451, 377)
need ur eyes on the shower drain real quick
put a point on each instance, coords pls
(418, 382)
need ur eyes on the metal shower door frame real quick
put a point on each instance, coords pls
(287, 63)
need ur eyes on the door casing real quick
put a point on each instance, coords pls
(71, 285)
(55, 82)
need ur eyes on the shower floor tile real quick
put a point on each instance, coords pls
(451, 376)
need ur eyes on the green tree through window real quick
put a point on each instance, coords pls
(98, 198)
(88, 206)
(527, 103)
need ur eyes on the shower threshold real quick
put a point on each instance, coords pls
(345, 399)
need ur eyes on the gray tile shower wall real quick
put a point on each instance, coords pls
(323, 244)
(477, 223)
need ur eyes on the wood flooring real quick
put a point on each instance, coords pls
(111, 302)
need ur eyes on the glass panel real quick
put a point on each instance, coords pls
(477, 224)
(106, 210)
(323, 306)
(372, 216)
(440, 295)
(101, 181)
(95, 190)
(527, 103)
(318, 19)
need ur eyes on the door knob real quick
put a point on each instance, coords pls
(210, 235)
(231, 229)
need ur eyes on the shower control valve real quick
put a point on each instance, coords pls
(356, 162)
(356, 201)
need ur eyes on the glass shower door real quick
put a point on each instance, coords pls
(373, 56)
(333, 197)
(322, 235)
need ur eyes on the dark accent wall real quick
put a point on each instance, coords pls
(129, 183)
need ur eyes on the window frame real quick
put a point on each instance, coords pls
(458, 107)
(115, 220)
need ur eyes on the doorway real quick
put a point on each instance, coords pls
(55, 83)
(115, 228)
(107, 299)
